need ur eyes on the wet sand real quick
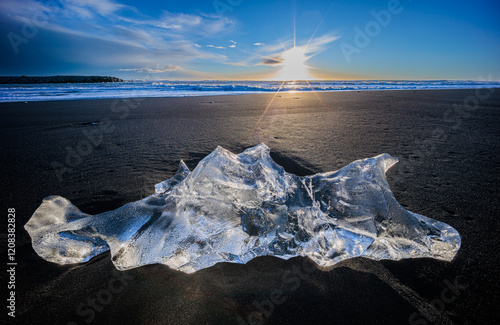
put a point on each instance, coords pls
(101, 154)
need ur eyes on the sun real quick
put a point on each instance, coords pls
(294, 65)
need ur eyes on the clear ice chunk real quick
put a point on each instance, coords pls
(233, 208)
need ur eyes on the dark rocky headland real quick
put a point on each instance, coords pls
(57, 79)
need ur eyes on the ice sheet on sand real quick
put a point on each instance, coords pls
(233, 208)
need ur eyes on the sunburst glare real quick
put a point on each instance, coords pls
(294, 65)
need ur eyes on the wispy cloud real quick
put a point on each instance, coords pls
(106, 33)
(88, 8)
(272, 61)
(193, 25)
(179, 21)
(157, 69)
(22, 11)
(172, 35)
(314, 45)
(237, 64)
(215, 46)
(319, 43)
(271, 54)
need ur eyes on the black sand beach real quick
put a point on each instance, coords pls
(449, 170)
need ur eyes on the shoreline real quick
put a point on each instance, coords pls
(248, 94)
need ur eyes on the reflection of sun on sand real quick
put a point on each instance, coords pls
(294, 66)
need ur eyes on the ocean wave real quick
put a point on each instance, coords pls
(130, 89)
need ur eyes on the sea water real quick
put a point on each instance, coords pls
(133, 89)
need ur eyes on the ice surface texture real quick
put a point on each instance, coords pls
(233, 208)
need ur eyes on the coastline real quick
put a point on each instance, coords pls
(174, 89)
(138, 99)
(448, 170)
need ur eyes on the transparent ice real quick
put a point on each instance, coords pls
(233, 208)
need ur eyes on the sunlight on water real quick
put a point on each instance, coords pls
(159, 88)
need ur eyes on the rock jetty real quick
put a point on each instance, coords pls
(57, 79)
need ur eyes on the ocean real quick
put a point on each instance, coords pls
(131, 89)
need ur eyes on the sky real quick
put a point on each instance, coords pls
(252, 39)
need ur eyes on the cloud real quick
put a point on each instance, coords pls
(272, 61)
(22, 11)
(318, 43)
(179, 21)
(87, 8)
(188, 24)
(157, 69)
(272, 54)
(276, 47)
(135, 35)
(85, 26)
(237, 64)
(103, 34)
(215, 47)
(315, 45)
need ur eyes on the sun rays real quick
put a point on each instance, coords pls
(294, 65)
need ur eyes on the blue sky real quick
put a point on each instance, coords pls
(252, 39)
